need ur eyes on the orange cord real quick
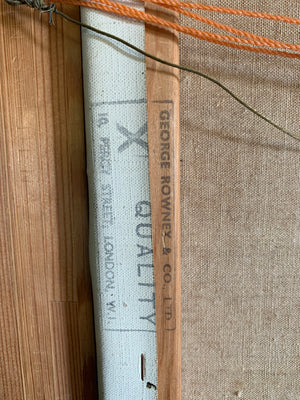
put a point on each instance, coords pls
(225, 40)
(260, 40)
(233, 11)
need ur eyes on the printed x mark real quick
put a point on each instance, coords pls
(132, 137)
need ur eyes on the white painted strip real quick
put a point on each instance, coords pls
(119, 204)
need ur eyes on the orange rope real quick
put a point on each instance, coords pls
(229, 41)
(255, 14)
(263, 40)
(225, 40)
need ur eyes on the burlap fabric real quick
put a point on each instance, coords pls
(240, 217)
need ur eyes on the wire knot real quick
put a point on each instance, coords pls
(39, 5)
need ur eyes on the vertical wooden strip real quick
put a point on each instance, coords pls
(65, 342)
(163, 136)
(11, 384)
(45, 217)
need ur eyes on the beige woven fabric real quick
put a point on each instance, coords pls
(240, 218)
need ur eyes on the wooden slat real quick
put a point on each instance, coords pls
(164, 161)
(11, 387)
(65, 341)
(44, 237)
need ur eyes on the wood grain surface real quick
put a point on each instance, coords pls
(164, 161)
(47, 340)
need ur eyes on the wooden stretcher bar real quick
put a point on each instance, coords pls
(164, 162)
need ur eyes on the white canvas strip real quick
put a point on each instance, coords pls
(119, 205)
